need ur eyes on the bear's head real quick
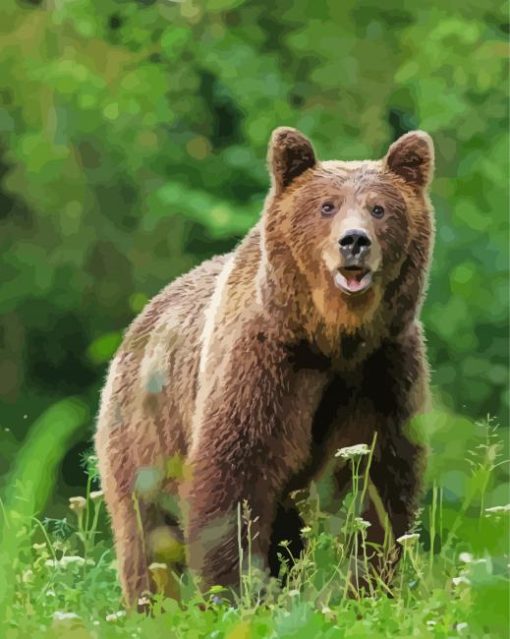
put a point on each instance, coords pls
(352, 229)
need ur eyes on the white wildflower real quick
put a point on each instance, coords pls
(462, 580)
(96, 495)
(293, 593)
(39, 547)
(462, 627)
(306, 530)
(361, 524)
(27, 576)
(408, 539)
(65, 620)
(74, 560)
(498, 510)
(466, 557)
(431, 623)
(77, 504)
(352, 452)
(68, 560)
(144, 601)
(328, 613)
(60, 616)
(115, 616)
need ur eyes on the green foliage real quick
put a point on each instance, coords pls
(133, 137)
(32, 480)
(64, 582)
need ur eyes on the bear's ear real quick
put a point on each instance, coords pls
(412, 158)
(290, 153)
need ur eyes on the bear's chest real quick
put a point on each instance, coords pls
(326, 403)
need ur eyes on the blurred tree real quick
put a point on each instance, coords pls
(132, 146)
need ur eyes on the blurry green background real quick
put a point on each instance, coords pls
(132, 146)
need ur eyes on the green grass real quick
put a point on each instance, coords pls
(59, 577)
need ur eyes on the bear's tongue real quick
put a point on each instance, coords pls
(353, 281)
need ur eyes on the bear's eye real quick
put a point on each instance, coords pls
(328, 208)
(377, 211)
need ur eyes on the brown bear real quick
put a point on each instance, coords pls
(254, 367)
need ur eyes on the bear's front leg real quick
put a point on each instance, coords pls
(396, 385)
(394, 389)
(241, 458)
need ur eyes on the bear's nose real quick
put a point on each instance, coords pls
(354, 243)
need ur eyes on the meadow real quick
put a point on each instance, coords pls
(59, 580)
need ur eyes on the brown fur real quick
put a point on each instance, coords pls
(256, 396)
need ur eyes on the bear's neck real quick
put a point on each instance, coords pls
(301, 312)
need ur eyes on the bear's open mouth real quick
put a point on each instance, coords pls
(353, 279)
